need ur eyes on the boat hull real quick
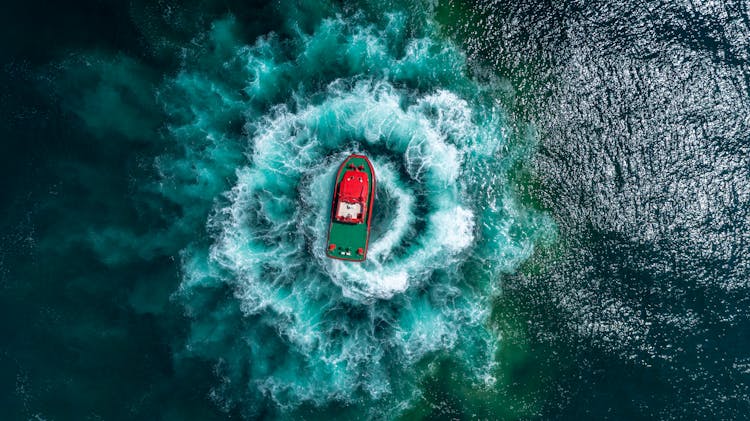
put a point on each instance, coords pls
(348, 241)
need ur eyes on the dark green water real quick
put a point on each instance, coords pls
(561, 229)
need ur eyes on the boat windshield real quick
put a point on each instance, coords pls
(348, 211)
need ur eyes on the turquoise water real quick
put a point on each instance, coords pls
(298, 328)
(559, 229)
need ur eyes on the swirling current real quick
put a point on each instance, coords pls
(305, 328)
(559, 232)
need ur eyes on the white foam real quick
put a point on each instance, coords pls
(270, 236)
(381, 248)
(452, 228)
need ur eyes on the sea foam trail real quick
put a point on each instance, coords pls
(298, 328)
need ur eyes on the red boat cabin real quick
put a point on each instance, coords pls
(352, 196)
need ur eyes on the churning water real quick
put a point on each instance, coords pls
(301, 328)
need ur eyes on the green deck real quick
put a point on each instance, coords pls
(350, 237)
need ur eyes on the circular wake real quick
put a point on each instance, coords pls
(279, 212)
(263, 129)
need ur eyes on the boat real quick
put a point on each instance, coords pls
(351, 210)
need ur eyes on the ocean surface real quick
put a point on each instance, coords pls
(561, 227)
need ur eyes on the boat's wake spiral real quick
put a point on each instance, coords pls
(279, 208)
(298, 327)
